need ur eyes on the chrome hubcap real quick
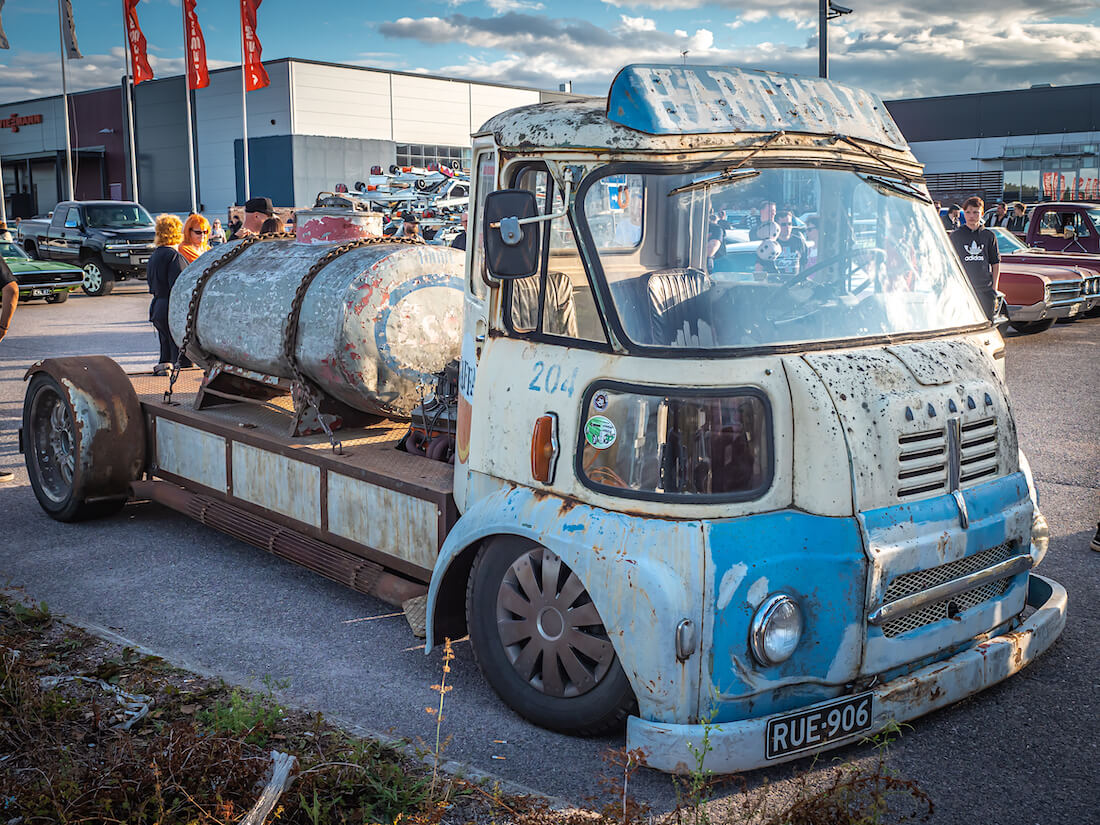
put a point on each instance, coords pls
(550, 629)
(93, 278)
(54, 444)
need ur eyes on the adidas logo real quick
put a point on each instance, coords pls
(974, 252)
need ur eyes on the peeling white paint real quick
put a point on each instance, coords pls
(730, 582)
(758, 591)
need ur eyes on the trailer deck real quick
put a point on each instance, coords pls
(372, 517)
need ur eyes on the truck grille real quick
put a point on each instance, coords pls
(910, 583)
(922, 458)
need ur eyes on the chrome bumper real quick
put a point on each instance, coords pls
(740, 746)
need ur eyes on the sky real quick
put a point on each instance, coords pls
(912, 49)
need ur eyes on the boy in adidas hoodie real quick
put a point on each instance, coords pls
(977, 248)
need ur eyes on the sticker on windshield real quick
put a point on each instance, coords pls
(599, 401)
(599, 431)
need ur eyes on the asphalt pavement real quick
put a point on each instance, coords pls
(1024, 751)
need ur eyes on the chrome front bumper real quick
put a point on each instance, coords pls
(740, 746)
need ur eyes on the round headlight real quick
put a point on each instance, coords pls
(776, 629)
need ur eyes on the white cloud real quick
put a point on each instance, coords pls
(637, 24)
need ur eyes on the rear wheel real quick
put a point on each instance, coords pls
(53, 451)
(99, 279)
(540, 641)
(1029, 327)
(58, 297)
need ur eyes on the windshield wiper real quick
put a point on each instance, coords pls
(896, 187)
(728, 176)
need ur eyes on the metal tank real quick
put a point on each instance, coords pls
(376, 322)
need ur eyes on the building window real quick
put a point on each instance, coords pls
(415, 154)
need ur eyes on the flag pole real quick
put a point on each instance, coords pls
(244, 109)
(128, 82)
(187, 95)
(65, 101)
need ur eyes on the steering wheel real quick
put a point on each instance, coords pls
(803, 300)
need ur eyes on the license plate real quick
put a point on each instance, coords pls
(40, 293)
(809, 729)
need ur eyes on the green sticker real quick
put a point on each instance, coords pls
(599, 431)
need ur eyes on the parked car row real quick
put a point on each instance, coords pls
(40, 279)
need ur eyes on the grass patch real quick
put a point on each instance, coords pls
(202, 754)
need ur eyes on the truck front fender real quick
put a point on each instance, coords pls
(645, 576)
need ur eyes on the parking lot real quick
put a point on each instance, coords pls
(1024, 751)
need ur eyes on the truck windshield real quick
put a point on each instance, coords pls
(122, 216)
(736, 258)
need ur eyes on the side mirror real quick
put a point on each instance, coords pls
(511, 248)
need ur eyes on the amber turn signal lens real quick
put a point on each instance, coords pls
(544, 448)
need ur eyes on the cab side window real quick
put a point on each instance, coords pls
(72, 220)
(486, 178)
(557, 301)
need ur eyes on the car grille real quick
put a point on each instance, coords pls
(909, 584)
(1065, 292)
(922, 458)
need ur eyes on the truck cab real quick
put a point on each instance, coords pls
(1065, 227)
(758, 507)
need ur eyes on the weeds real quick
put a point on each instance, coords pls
(442, 689)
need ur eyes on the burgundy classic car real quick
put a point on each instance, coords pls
(1014, 251)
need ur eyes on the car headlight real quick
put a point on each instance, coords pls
(776, 629)
(1046, 294)
(116, 247)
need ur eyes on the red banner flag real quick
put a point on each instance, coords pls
(255, 76)
(197, 75)
(139, 59)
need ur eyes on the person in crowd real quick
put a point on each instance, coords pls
(234, 227)
(256, 211)
(716, 241)
(459, 241)
(951, 219)
(411, 228)
(1000, 217)
(196, 237)
(977, 248)
(5, 233)
(273, 224)
(165, 265)
(762, 228)
(1017, 221)
(217, 233)
(9, 290)
(794, 251)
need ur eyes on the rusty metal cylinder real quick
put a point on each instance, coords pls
(376, 322)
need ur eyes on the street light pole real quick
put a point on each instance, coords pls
(827, 10)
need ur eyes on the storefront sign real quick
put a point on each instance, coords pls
(15, 121)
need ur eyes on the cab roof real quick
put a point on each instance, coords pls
(668, 107)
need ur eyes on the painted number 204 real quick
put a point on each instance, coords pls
(551, 379)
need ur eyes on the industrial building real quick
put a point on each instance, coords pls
(319, 124)
(316, 125)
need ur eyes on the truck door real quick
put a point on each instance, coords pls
(65, 235)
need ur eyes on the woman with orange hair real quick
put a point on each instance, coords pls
(165, 265)
(196, 237)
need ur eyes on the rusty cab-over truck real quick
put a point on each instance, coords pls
(773, 509)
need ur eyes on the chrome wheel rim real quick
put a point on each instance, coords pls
(93, 278)
(550, 630)
(54, 444)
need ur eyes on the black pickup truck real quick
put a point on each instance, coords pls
(110, 240)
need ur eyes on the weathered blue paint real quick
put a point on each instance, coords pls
(691, 100)
(922, 535)
(820, 562)
(739, 746)
(644, 574)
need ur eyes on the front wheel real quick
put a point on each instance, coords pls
(1030, 327)
(99, 279)
(539, 639)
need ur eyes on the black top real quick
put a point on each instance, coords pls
(165, 265)
(459, 241)
(978, 251)
(6, 276)
(1016, 223)
(948, 224)
(792, 257)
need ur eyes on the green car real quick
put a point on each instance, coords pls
(40, 279)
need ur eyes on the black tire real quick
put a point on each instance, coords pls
(1031, 327)
(51, 447)
(597, 697)
(58, 297)
(31, 249)
(99, 279)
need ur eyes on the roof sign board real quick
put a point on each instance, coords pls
(669, 99)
